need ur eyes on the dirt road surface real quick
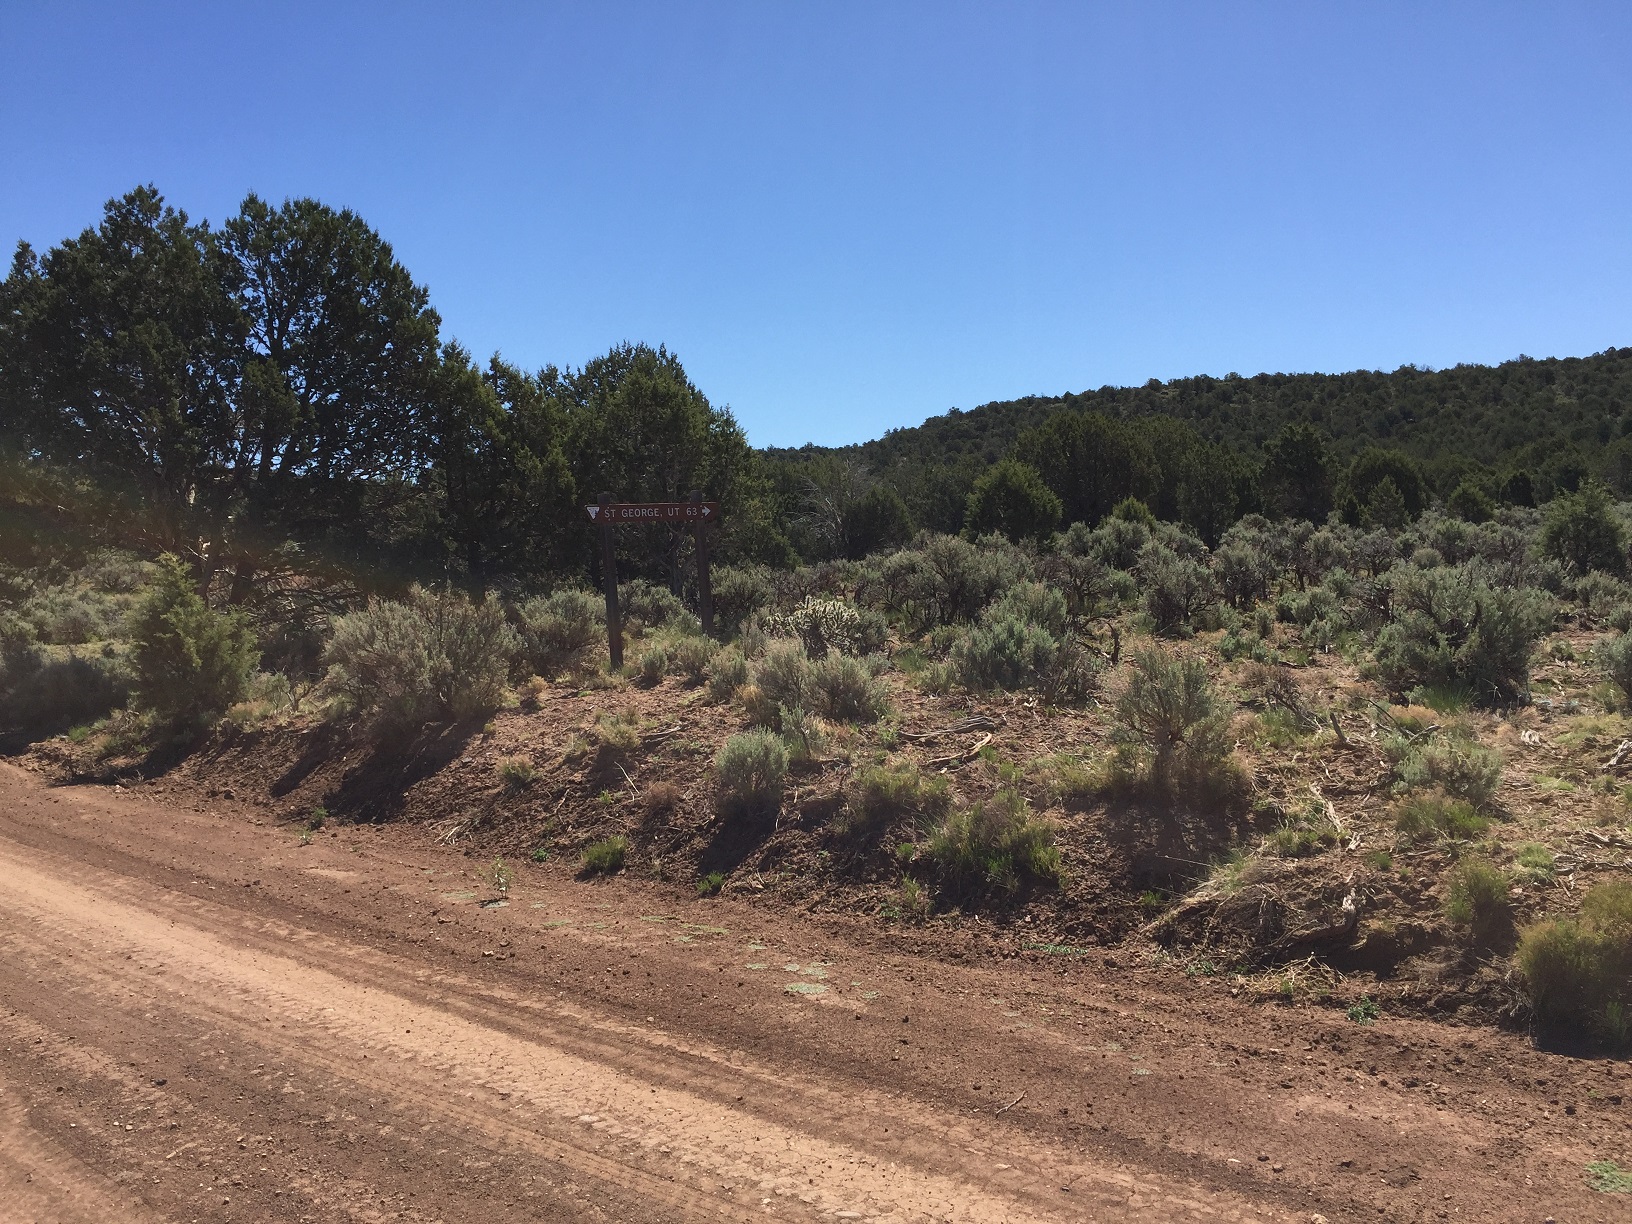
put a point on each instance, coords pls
(203, 1019)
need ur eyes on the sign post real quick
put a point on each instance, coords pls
(705, 593)
(695, 513)
(609, 578)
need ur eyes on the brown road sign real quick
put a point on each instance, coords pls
(619, 513)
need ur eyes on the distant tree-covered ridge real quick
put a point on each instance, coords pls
(272, 399)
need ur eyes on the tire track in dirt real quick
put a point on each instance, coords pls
(674, 1149)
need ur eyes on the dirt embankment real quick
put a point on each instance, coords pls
(205, 1019)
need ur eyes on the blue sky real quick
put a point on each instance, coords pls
(849, 217)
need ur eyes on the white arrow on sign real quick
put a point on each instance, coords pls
(594, 511)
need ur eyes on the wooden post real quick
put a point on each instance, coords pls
(705, 593)
(609, 578)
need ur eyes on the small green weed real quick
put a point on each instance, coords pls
(1536, 859)
(1607, 1177)
(710, 884)
(1365, 1011)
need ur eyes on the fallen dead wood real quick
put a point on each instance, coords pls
(977, 722)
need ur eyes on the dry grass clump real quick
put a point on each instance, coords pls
(660, 799)
(883, 795)
(996, 845)
(516, 772)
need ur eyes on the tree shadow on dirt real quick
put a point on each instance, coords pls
(735, 839)
(375, 789)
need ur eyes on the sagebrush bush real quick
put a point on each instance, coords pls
(654, 665)
(846, 690)
(727, 672)
(190, 662)
(1462, 768)
(785, 676)
(645, 605)
(1032, 603)
(1174, 735)
(994, 845)
(752, 768)
(884, 795)
(1004, 652)
(562, 630)
(739, 591)
(1476, 897)
(1578, 971)
(1176, 589)
(1169, 707)
(605, 857)
(691, 657)
(1614, 658)
(804, 734)
(1435, 814)
(1452, 627)
(432, 656)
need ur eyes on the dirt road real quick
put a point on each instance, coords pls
(203, 1019)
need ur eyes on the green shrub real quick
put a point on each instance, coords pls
(606, 856)
(1614, 658)
(691, 656)
(1476, 896)
(727, 672)
(846, 691)
(752, 768)
(1578, 971)
(433, 656)
(711, 884)
(739, 591)
(654, 665)
(1308, 833)
(1011, 499)
(41, 694)
(883, 795)
(1461, 768)
(562, 630)
(1452, 627)
(994, 845)
(1434, 814)
(1580, 530)
(191, 663)
(1536, 859)
(785, 676)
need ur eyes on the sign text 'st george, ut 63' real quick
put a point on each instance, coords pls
(655, 512)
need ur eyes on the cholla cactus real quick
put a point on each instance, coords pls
(822, 625)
